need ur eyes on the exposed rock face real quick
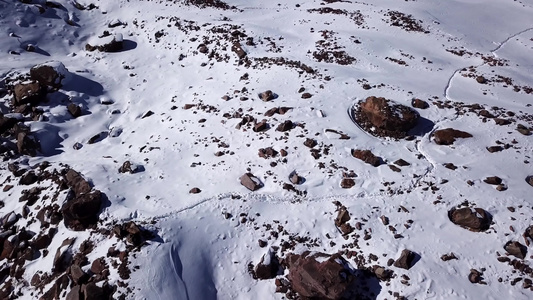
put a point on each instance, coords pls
(406, 259)
(77, 183)
(474, 219)
(131, 232)
(285, 126)
(367, 156)
(251, 182)
(447, 136)
(6, 123)
(319, 275)
(74, 110)
(516, 249)
(382, 117)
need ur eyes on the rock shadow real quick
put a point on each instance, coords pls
(422, 127)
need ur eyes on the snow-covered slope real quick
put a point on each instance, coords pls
(175, 100)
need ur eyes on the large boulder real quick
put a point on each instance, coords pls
(320, 276)
(474, 219)
(367, 156)
(516, 249)
(81, 212)
(406, 260)
(383, 117)
(77, 183)
(49, 74)
(27, 144)
(268, 267)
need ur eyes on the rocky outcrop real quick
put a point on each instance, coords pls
(382, 117)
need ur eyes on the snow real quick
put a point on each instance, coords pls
(203, 255)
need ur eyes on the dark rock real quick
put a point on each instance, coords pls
(98, 266)
(447, 136)
(114, 45)
(306, 95)
(267, 152)
(382, 273)
(237, 48)
(74, 293)
(406, 260)
(295, 178)
(268, 267)
(131, 232)
(74, 110)
(516, 249)
(28, 178)
(260, 126)
(481, 79)
(447, 257)
(310, 142)
(77, 275)
(347, 183)
(31, 93)
(81, 212)
(529, 180)
(267, 95)
(367, 156)
(493, 180)
(387, 117)
(27, 144)
(395, 168)
(47, 76)
(251, 182)
(418, 103)
(195, 191)
(485, 113)
(402, 163)
(523, 129)
(77, 183)
(501, 122)
(319, 275)
(474, 219)
(285, 126)
(493, 149)
(343, 216)
(63, 256)
(128, 167)
(6, 123)
(92, 292)
(475, 276)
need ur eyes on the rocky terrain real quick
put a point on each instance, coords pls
(206, 149)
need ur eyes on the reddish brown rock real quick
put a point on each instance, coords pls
(268, 267)
(406, 260)
(347, 183)
(285, 126)
(82, 212)
(449, 135)
(251, 182)
(418, 103)
(493, 180)
(516, 249)
(367, 156)
(31, 93)
(474, 219)
(382, 117)
(319, 275)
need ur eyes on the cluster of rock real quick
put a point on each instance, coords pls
(384, 118)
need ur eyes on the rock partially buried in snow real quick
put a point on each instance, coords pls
(516, 249)
(383, 117)
(367, 156)
(474, 219)
(447, 136)
(320, 275)
(251, 182)
(111, 43)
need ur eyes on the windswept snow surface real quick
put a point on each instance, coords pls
(205, 241)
